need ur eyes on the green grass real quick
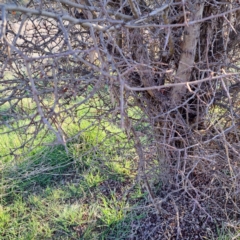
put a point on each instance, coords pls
(52, 194)
(77, 208)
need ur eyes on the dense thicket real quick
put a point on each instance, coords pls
(166, 72)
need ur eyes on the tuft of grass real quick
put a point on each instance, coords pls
(225, 234)
(122, 229)
(93, 178)
(138, 193)
(111, 210)
(5, 218)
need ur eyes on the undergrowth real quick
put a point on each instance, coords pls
(82, 194)
(89, 192)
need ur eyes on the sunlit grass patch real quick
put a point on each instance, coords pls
(23, 222)
(59, 212)
(111, 211)
(71, 215)
(50, 193)
(93, 178)
(120, 170)
(65, 209)
(5, 218)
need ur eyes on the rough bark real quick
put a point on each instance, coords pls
(190, 40)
